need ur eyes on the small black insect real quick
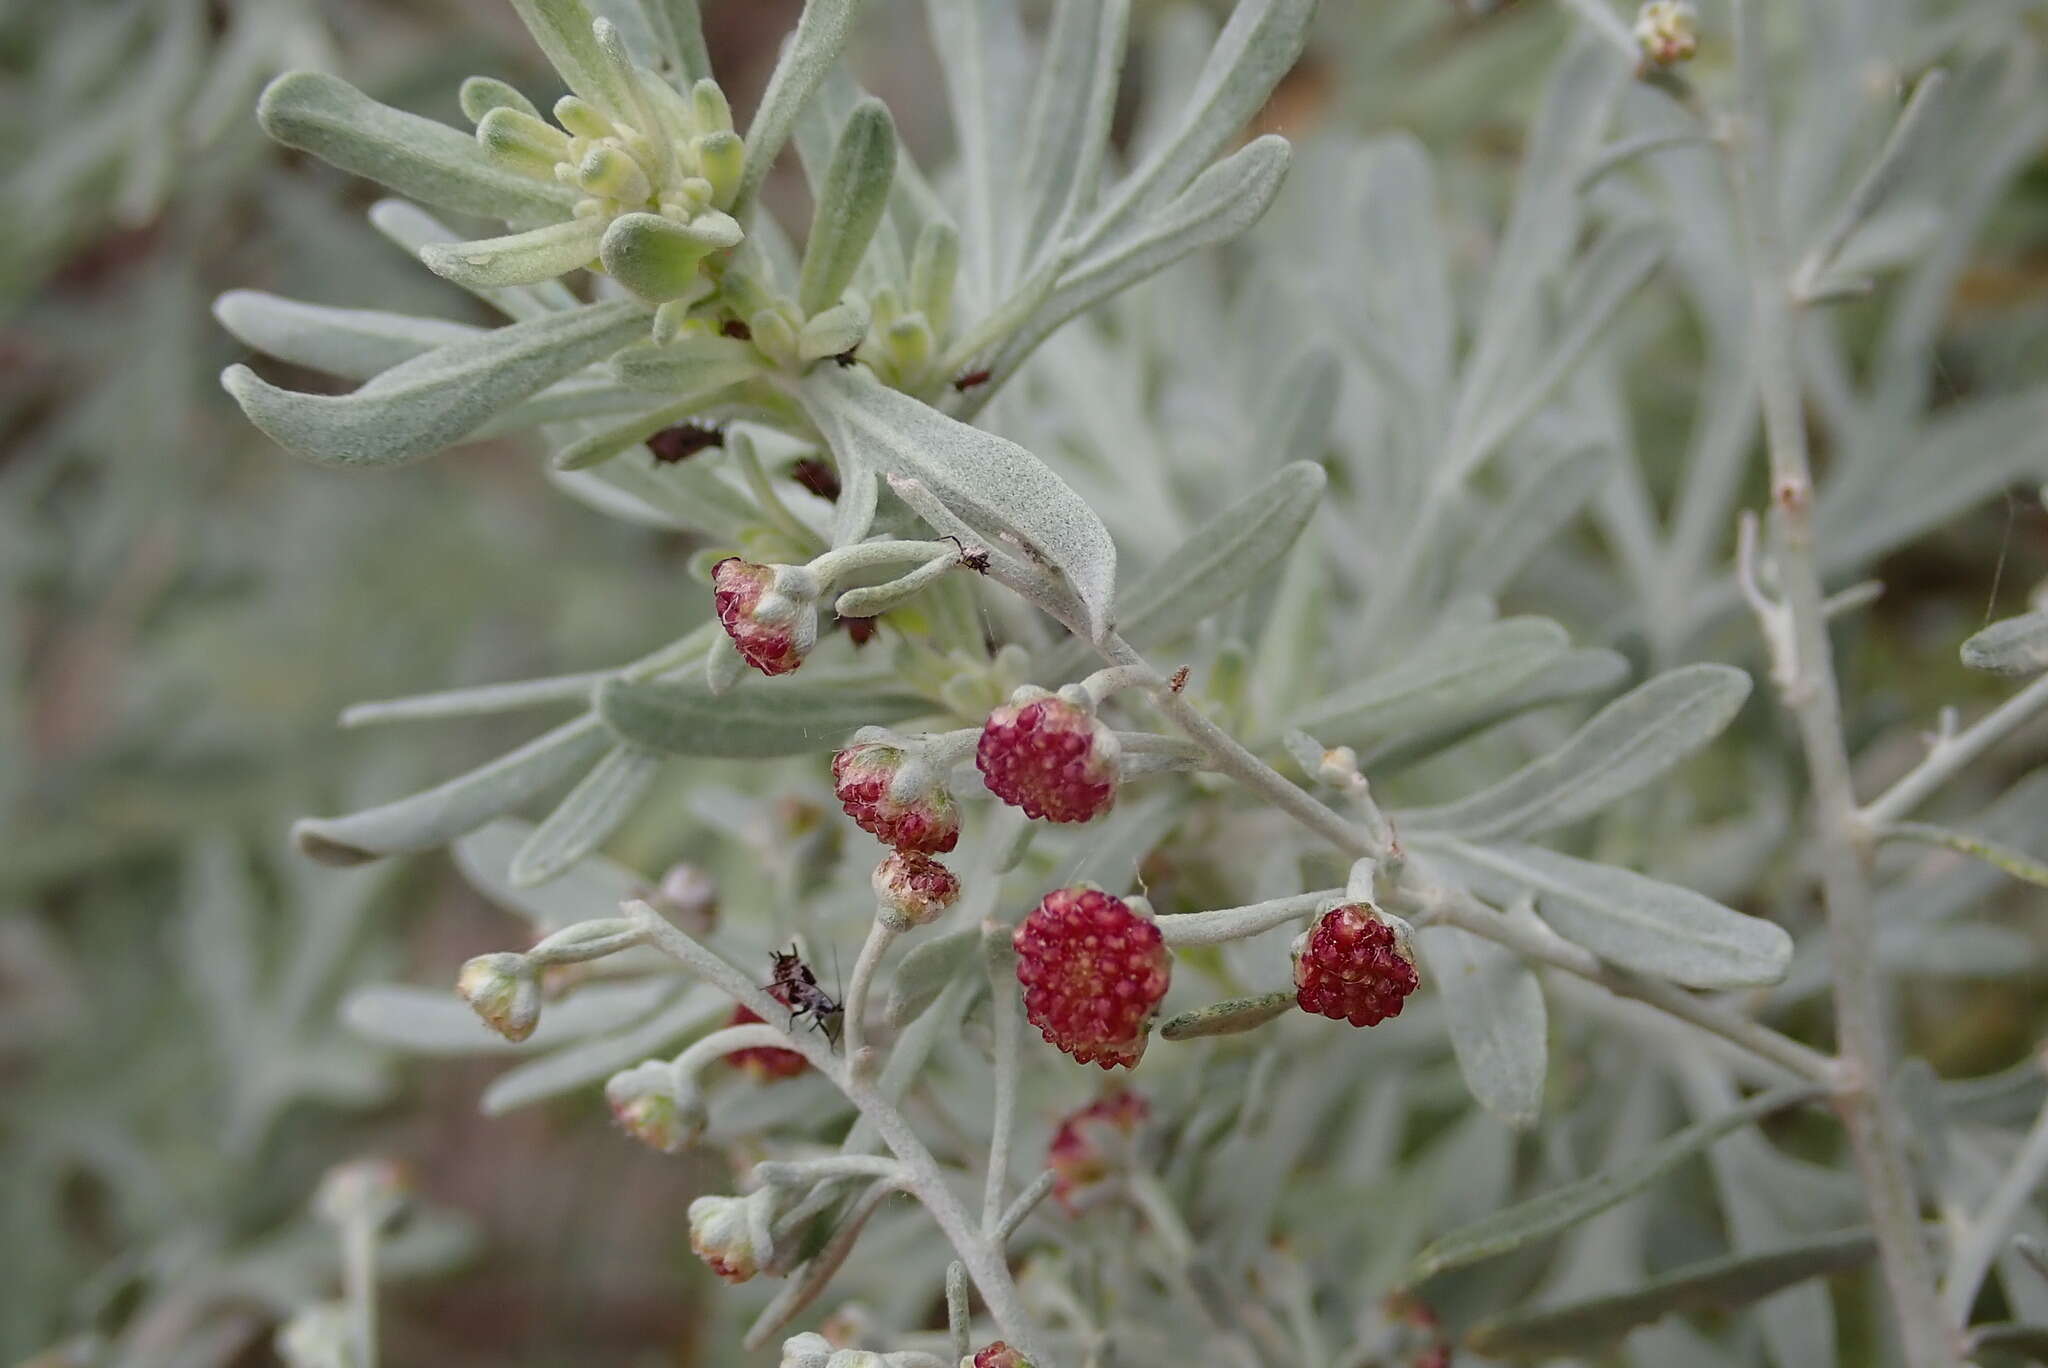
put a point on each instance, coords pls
(794, 986)
(846, 358)
(814, 475)
(971, 379)
(974, 558)
(732, 327)
(683, 441)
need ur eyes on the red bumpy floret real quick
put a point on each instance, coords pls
(1000, 1355)
(737, 587)
(1085, 1149)
(764, 1063)
(1093, 973)
(1050, 758)
(861, 775)
(1351, 966)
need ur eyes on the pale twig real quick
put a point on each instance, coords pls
(1027, 1202)
(800, 1291)
(1978, 1245)
(1952, 752)
(920, 1173)
(1812, 694)
(880, 934)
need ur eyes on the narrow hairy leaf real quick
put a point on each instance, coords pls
(354, 344)
(1626, 918)
(413, 229)
(1228, 1018)
(1257, 47)
(2017, 863)
(2012, 1337)
(695, 364)
(1566, 1206)
(926, 969)
(1227, 555)
(1531, 517)
(2016, 646)
(440, 397)
(680, 717)
(850, 204)
(1067, 131)
(1499, 1029)
(592, 887)
(434, 1021)
(520, 258)
(1225, 200)
(679, 30)
(1725, 1284)
(562, 28)
(1447, 676)
(418, 158)
(994, 485)
(806, 58)
(1627, 743)
(1565, 676)
(461, 805)
(586, 816)
(591, 1061)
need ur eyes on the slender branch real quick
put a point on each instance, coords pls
(359, 1282)
(958, 1327)
(1455, 907)
(880, 934)
(1980, 1242)
(1951, 754)
(1027, 1202)
(824, 1168)
(920, 1175)
(1868, 1110)
(1235, 923)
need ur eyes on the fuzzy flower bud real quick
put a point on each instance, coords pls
(721, 1232)
(1093, 972)
(1667, 31)
(644, 1102)
(1353, 966)
(997, 1355)
(764, 1063)
(894, 802)
(371, 1190)
(1048, 755)
(504, 990)
(913, 890)
(769, 611)
(1092, 1144)
(808, 1350)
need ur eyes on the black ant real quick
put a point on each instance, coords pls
(975, 558)
(796, 987)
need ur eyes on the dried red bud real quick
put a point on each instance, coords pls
(1089, 1145)
(1093, 972)
(773, 629)
(1352, 966)
(1049, 757)
(865, 778)
(913, 889)
(999, 1355)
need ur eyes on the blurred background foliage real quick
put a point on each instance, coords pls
(185, 612)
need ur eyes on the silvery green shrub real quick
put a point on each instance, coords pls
(1334, 550)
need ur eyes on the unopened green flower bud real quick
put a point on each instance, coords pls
(721, 158)
(522, 142)
(505, 992)
(583, 119)
(606, 170)
(722, 1234)
(647, 1106)
(368, 1190)
(709, 108)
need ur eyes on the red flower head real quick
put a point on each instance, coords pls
(1352, 966)
(766, 612)
(1000, 1355)
(913, 815)
(764, 1063)
(1090, 1144)
(1093, 972)
(1050, 757)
